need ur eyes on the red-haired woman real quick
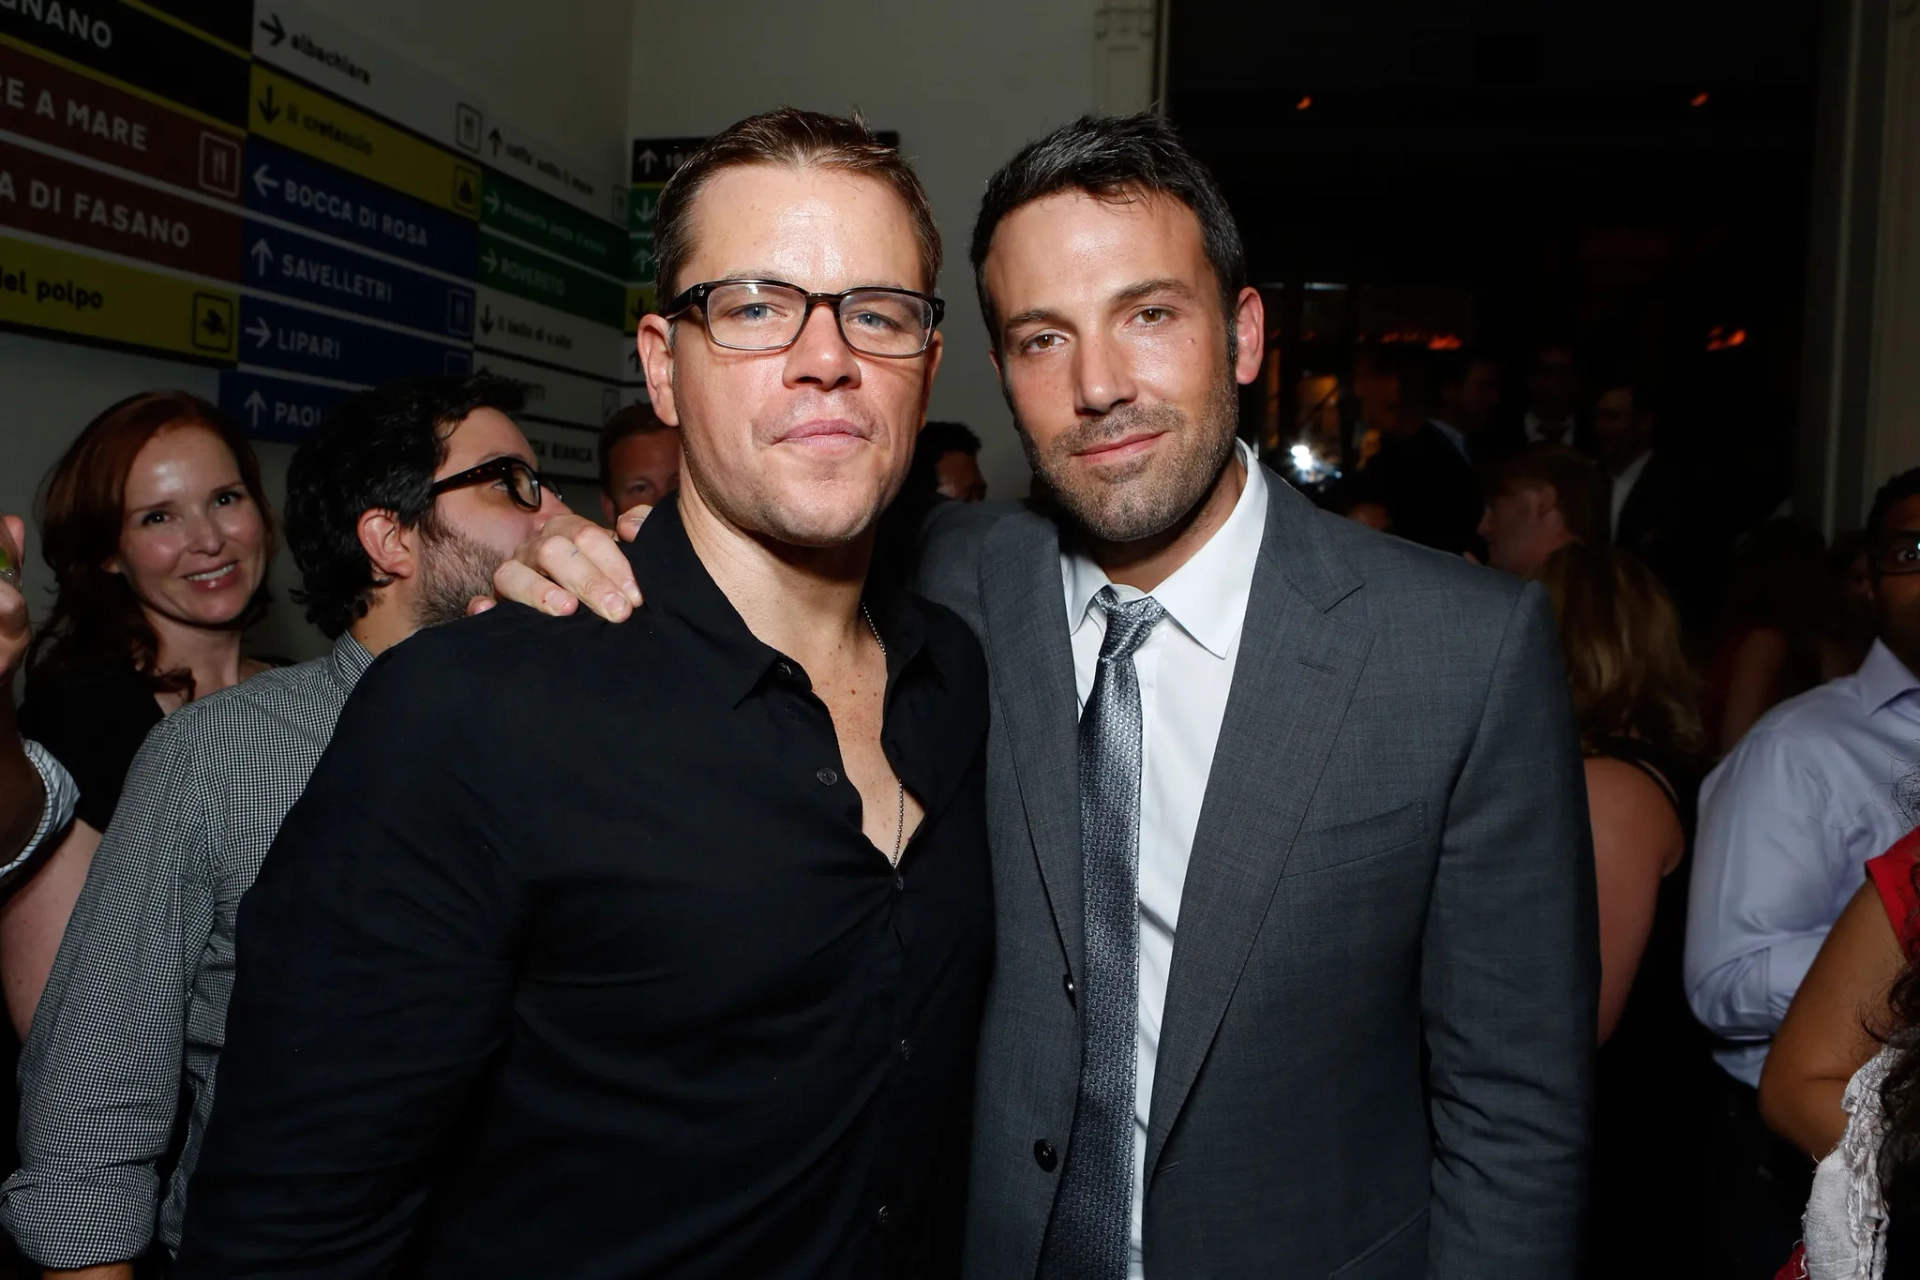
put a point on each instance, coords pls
(159, 537)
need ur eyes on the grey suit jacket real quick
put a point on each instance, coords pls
(1377, 1046)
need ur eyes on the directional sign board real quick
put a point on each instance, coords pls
(654, 161)
(309, 45)
(273, 408)
(259, 186)
(330, 275)
(322, 345)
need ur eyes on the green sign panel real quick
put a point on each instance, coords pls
(537, 277)
(516, 209)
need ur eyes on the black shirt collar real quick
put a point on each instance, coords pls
(676, 583)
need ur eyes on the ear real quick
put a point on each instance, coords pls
(655, 341)
(1250, 335)
(391, 547)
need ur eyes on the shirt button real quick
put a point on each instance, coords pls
(899, 883)
(884, 1217)
(906, 1051)
(784, 670)
(827, 777)
(1066, 980)
(1045, 1156)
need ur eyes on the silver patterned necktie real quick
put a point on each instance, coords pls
(1092, 1225)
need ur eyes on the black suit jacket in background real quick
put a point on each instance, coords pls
(1428, 488)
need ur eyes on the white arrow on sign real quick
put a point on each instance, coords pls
(261, 182)
(493, 202)
(489, 260)
(255, 403)
(260, 331)
(262, 256)
(648, 159)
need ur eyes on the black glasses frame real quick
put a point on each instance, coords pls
(697, 297)
(1893, 538)
(499, 469)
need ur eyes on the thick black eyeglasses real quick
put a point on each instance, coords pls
(1896, 552)
(524, 484)
(769, 315)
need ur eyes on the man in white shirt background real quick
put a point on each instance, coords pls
(1786, 822)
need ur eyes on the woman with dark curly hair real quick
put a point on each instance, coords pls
(1842, 1081)
(156, 527)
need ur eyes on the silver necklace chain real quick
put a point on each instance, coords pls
(900, 787)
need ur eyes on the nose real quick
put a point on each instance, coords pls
(1486, 522)
(820, 356)
(1102, 379)
(203, 534)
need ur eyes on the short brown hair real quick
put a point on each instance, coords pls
(1620, 640)
(798, 139)
(1579, 486)
(96, 619)
(635, 420)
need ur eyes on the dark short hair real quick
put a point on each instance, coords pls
(1114, 158)
(1579, 486)
(938, 439)
(1452, 367)
(634, 420)
(1899, 489)
(1645, 398)
(377, 452)
(796, 139)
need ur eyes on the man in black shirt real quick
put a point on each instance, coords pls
(718, 1016)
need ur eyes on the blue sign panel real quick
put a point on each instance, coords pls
(309, 270)
(280, 336)
(277, 408)
(319, 197)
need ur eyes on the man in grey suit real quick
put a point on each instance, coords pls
(1297, 955)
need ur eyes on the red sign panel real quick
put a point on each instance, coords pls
(66, 201)
(77, 113)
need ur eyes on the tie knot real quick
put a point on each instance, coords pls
(1128, 624)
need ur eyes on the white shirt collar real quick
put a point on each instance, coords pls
(1537, 428)
(1630, 474)
(1206, 596)
(1882, 678)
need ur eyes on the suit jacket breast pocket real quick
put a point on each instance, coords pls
(1346, 843)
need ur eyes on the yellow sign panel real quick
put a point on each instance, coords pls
(47, 288)
(640, 300)
(325, 128)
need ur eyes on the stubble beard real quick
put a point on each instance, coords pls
(453, 570)
(1153, 494)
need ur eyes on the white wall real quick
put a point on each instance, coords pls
(965, 86)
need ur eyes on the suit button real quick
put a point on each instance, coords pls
(827, 777)
(1066, 980)
(1045, 1156)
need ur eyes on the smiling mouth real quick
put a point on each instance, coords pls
(1124, 447)
(215, 575)
(825, 432)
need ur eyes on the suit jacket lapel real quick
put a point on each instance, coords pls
(1032, 658)
(1292, 682)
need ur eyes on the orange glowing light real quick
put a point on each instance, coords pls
(1698, 100)
(1720, 339)
(1445, 342)
(1304, 103)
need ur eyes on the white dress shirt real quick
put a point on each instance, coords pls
(1787, 823)
(1623, 489)
(1190, 655)
(57, 812)
(1538, 430)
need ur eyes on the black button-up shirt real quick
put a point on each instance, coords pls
(573, 960)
